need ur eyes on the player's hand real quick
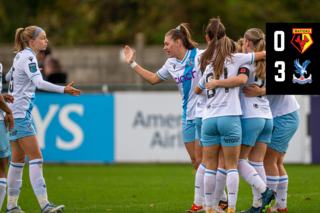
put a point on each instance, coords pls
(252, 91)
(72, 91)
(129, 55)
(212, 84)
(9, 121)
(8, 98)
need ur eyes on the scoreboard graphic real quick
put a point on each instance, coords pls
(292, 59)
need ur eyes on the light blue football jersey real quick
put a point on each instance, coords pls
(185, 74)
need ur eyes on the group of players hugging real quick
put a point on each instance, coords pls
(229, 125)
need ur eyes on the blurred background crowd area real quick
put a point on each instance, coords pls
(87, 37)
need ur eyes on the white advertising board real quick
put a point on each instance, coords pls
(148, 127)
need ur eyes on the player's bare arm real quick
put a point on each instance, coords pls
(254, 91)
(8, 118)
(197, 90)
(152, 78)
(230, 82)
(259, 55)
(8, 98)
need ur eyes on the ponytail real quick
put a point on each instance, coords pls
(23, 35)
(182, 32)
(256, 36)
(223, 52)
(215, 30)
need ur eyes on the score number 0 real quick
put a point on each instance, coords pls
(281, 77)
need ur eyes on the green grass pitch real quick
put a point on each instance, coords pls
(149, 188)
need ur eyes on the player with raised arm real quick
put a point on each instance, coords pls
(256, 122)
(25, 77)
(286, 120)
(181, 65)
(214, 31)
(221, 128)
(6, 125)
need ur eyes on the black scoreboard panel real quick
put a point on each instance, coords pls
(293, 52)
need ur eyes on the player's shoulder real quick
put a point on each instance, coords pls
(200, 52)
(239, 56)
(26, 55)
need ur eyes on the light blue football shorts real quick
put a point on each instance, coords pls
(5, 150)
(198, 129)
(23, 127)
(225, 130)
(256, 129)
(188, 131)
(284, 128)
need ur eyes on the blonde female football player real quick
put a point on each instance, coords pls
(6, 125)
(286, 120)
(24, 77)
(214, 31)
(181, 65)
(256, 122)
(221, 128)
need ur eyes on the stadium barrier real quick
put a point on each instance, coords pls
(128, 127)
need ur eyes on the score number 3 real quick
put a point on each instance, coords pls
(282, 76)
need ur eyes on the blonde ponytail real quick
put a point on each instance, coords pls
(256, 36)
(23, 35)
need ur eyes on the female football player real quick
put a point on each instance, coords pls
(286, 120)
(24, 77)
(181, 65)
(214, 31)
(221, 128)
(256, 121)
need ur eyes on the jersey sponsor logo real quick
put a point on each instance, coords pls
(31, 58)
(256, 106)
(231, 140)
(190, 75)
(174, 66)
(302, 70)
(301, 39)
(190, 63)
(33, 67)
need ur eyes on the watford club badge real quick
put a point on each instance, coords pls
(302, 39)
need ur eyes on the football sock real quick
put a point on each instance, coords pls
(224, 194)
(3, 186)
(37, 181)
(14, 184)
(250, 175)
(233, 187)
(198, 191)
(219, 192)
(272, 182)
(258, 166)
(282, 189)
(209, 185)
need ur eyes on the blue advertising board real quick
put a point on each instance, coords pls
(75, 129)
